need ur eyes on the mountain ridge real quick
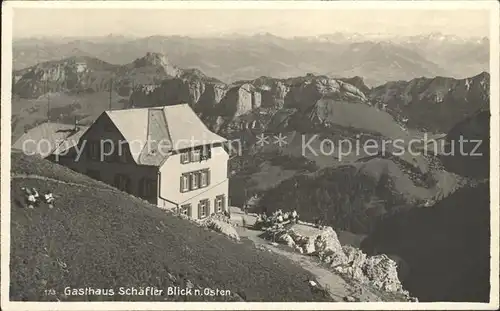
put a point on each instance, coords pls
(153, 80)
(245, 57)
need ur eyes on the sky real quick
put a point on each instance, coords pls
(286, 23)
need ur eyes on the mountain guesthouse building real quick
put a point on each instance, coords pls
(165, 155)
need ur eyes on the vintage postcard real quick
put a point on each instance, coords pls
(259, 155)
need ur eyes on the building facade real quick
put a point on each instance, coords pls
(165, 155)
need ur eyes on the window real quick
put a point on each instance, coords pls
(204, 208)
(186, 210)
(147, 188)
(122, 153)
(184, 183)
(94, 174)
(220, 202)
(108, 152)
(204, 178)
(196, 155)
(206, 153)
(184, 157)
(195, 180)
(93, 150)
(122, 182)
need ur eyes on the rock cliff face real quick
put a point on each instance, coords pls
(434, 104)
(214, 98)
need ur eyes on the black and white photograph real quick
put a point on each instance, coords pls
(174, 155)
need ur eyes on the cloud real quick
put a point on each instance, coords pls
(98, 22)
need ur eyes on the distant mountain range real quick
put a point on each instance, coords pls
(378, 59)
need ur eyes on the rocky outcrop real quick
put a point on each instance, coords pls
(358, 82)
(240, 100)
(76, 73)
(87, 74)
(197, 92)
(213, 98)
(157, 60)
(379, 271)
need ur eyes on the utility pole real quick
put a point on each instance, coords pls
(110, 92)
(48, 100)
(130, 96)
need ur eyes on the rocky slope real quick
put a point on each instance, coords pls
(434, 104)
(88, 74)
(379, 271)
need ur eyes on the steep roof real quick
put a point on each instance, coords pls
(154, 132)
(48, 138)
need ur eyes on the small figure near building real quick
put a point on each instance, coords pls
(30, 197)
(49, 199)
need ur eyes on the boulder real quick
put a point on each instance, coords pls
(382, 273)
(222, 227)
(286, 239)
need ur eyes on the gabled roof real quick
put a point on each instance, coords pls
(154, 132)
(48, 138)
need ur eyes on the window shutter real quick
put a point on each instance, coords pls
(208, 177)
(181, 190)
(208, 208)
(199, 209)
(223, 202)
(190, 211)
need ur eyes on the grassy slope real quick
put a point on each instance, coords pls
(101, 238)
